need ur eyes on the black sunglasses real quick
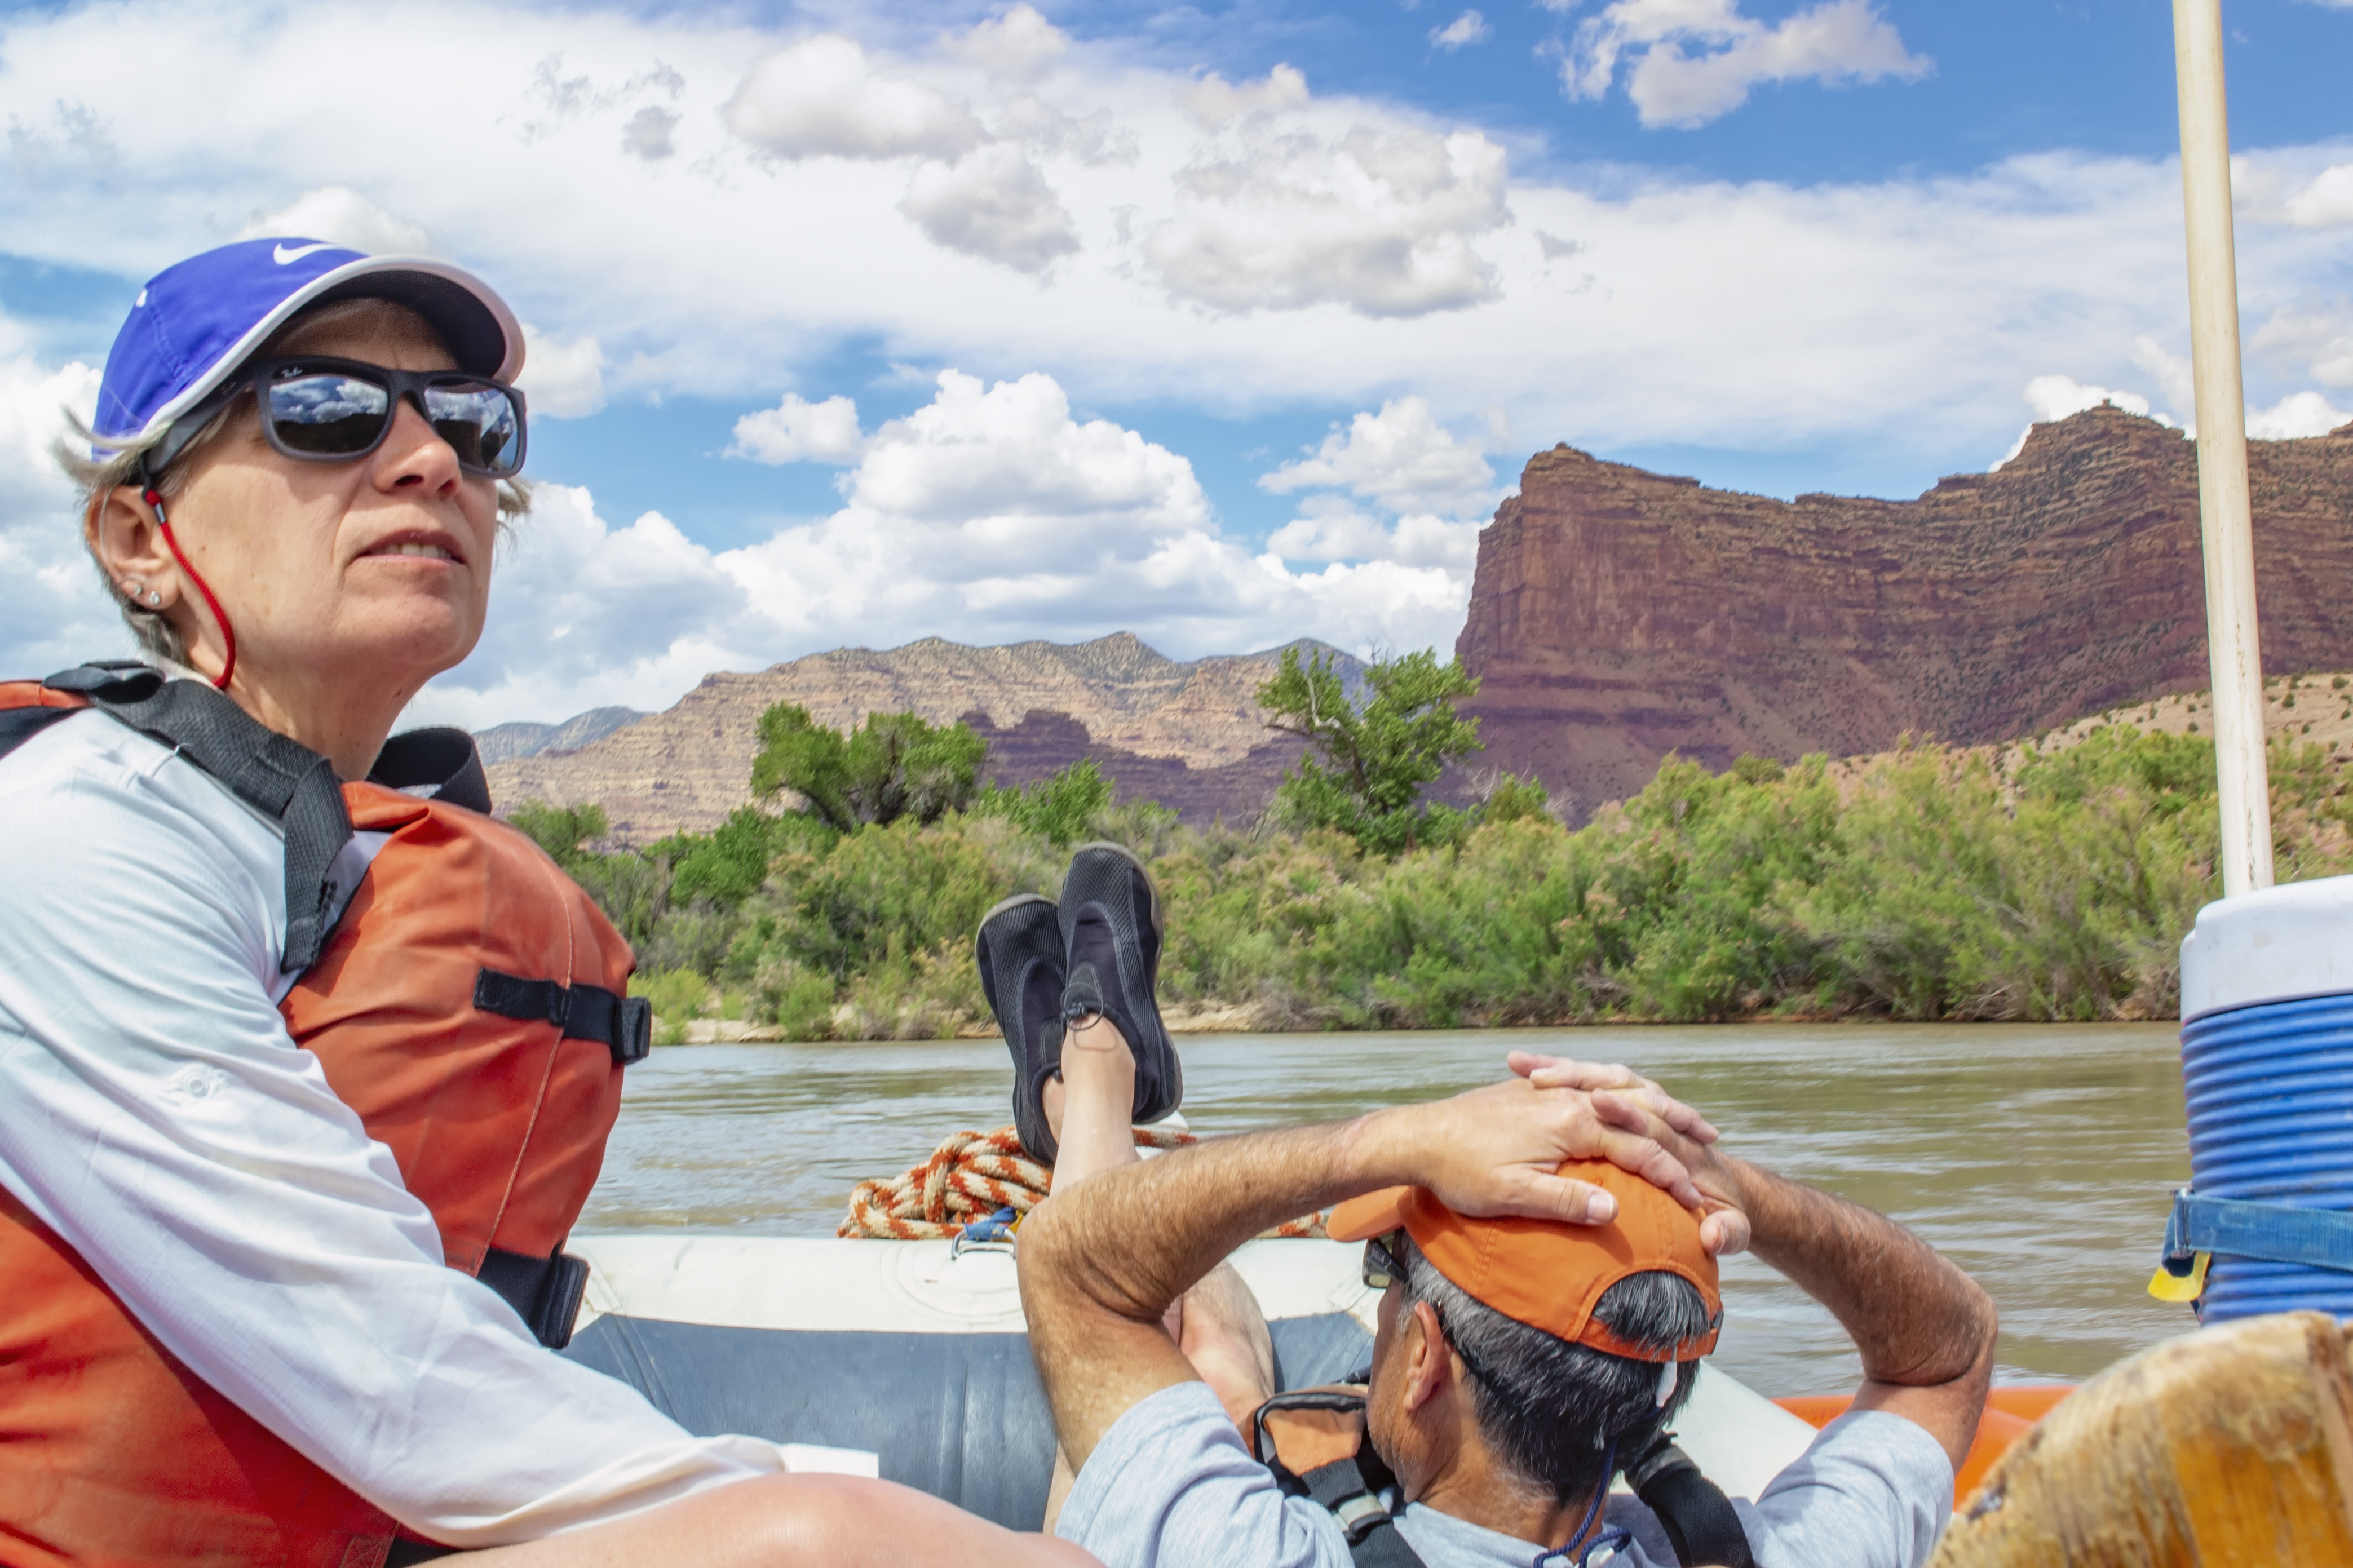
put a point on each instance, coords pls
(1381, 1266)
(335, 410)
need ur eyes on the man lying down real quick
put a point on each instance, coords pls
(1544, 1248)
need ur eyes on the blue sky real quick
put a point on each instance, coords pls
(1221, 324)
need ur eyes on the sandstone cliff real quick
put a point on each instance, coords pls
(1618, 615)
(1187, 734)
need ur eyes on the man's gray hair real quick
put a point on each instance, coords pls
(96, 464)
(1551, 1410)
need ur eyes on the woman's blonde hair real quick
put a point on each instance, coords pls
(98, 464)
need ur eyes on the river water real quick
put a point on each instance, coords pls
(2040, 1158)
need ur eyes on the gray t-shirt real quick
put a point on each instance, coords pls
(1171, 1485)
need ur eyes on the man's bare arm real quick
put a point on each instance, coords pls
(1926, 1330)
(1101, 1261)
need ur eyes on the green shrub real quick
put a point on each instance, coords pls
(677, 994)
(1379, 749)
(560, 830)
(728, 866)
(895, 765)
(1926, 884)
(1058, 808)
(1515, 799)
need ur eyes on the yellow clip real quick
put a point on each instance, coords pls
(2182, 1287)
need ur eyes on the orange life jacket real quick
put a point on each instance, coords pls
(467, 1006)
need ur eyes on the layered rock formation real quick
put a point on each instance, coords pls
(1618, 615)
(1187, 734)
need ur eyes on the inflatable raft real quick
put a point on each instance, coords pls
(914, 1352)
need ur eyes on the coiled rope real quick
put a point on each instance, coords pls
(970, 1176)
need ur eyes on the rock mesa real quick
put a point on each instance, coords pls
(1618, 616)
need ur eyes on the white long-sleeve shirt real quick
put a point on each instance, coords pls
(155, 1112)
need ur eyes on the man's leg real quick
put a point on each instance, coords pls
(787, 1521)
(1217, 1324)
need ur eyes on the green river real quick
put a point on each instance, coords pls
(2040, 1158)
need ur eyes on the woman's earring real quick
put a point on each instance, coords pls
(153, 598)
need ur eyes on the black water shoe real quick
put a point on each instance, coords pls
(1019, 951)
(1111, 926)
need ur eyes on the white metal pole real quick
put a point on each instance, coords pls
(2233, 648)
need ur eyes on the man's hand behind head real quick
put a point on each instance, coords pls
(1634, 1105)
(1494, 1151)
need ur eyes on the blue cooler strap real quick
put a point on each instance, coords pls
(2275, 1233)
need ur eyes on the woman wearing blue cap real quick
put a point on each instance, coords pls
(282, 1242)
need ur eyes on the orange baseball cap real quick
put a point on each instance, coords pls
(1547, 1274)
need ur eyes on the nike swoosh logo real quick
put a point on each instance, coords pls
(282, 255)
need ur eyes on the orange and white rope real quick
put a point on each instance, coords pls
(970, 1176)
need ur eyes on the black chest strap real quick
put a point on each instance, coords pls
(1699, 1519)
(1353, 1491)
(18, 725)
(281, 779)
(1356, 1502)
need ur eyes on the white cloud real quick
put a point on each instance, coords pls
(1329, 528)
(1019, 43)
(53, 611)
(1010, 460)
(2294, 417)
(341, 216)
(584, 615)
(1284, 214)
(799, 432)
(1214, 100)
(563, 378)
(1694, 60)
(1436, 488)
(2327, 201)
(2057, 396)
(1401, 457)
(1248, 263)
(2322, 340)
(2175, 377)
(651, 133)
(993, 203)
(1467, 28)
(988, 515)
(823, 97)
(1732, 314)
(1094, 138)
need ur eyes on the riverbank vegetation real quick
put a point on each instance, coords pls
(1929, 883)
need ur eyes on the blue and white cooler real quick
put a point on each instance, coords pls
(2266, 1224)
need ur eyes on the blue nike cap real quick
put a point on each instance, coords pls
(196, 323)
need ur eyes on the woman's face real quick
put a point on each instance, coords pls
(367, 576)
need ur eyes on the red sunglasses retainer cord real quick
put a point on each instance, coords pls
(220, 617)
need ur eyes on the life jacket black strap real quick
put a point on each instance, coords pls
(281, 779)
(1700, 1521)
(1356, 1504)
(445, 759)
(1350, 1490)
(545, 1291)
(18, 725)
(624, 1025)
